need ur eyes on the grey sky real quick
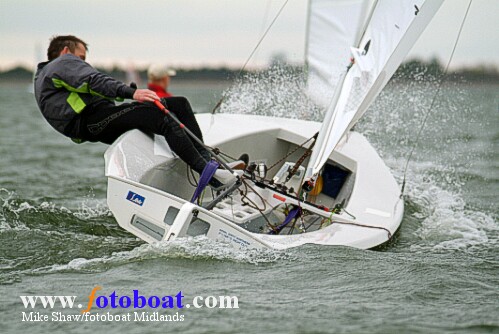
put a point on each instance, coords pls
(212, 32)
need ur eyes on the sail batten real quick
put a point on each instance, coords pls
(392, 28)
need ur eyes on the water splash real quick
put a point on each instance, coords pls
(441, 218)
(54, 238)
(35, 235)
(87, 239)
(278, 91)
(197, 248)
(92, 207)
(17, 213)
(439, 168)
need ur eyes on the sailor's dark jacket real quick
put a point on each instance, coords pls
(66, 86)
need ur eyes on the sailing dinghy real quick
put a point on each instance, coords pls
(307, 182)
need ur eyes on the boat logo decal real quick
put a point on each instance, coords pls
(135, 198)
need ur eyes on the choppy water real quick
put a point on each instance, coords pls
(440, 274)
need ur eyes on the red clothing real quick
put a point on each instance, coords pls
(159, 90)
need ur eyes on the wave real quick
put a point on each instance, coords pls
(192, 248)
(90, 216)
(47, 238)
(35, 235)
(438, 213)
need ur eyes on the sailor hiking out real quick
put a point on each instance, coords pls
(79, 102)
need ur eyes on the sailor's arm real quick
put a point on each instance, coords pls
(78, 76)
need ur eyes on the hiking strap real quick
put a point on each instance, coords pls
(208, 172)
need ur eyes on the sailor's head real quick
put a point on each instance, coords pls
(160, 74)
(60, 45)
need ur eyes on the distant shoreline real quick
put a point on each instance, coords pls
(410, 70)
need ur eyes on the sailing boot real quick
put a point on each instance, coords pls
(240, 164)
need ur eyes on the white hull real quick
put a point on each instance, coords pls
(149, 194)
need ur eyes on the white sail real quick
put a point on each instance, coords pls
(392, 29)
(333, 27)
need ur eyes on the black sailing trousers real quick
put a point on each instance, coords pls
(105, 122)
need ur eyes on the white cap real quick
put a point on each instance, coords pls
(158, 71)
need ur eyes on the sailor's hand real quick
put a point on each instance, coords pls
(145, 95)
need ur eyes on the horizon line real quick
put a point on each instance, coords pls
(127, 65)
